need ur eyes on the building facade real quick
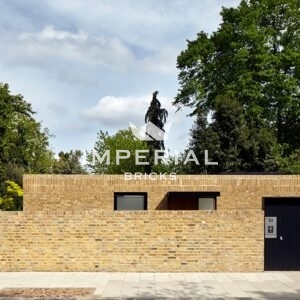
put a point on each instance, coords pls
(197, 223)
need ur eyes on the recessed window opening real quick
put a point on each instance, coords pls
(192, 200)
(130, 201)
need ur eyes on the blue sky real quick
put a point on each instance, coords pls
(90, 65)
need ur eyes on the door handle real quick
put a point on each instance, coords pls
(281, 238)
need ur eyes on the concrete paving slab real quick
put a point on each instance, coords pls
(70, 280)
(192, 277)
(162, 277)
(236, 276)
(285, 277)
(56, 280)
(197, 290)
(292, 275)
(206, 276)
(189, 290)
(147, 276)
(112, 289)
(282, 277)
(234, 290)
(132, 277)
(252, 277)
(263, 287)
(222, 277)
(265, 276)
(246, 286)
(118, 276)
(99, 290)
(256, 296)
(294, 286)
(178, 282)
(101, 278)
(147, 289)
(164, 289)
(215, 289)
(129, 290)
(177, 277)
(282, 287)
(268, 285)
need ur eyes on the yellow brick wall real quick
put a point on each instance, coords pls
(68, 224)
(85, 192)
(228, 240)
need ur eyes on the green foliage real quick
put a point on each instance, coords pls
(290, 164)
(12, 198)
(27, 145)
(203, 137)
(68, 163)
(23, 142)
(172, 164)
(122, 140)
(230, 141)
(254, 57)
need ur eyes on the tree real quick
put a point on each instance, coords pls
(157, 116)
(68, 163)
(23, 142)
(254, 56)
(230, 142)
(223, 137)
(12, 198)
(121, 140)
(203, 138)
(290, 164)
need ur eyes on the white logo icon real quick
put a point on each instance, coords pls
(150, 132)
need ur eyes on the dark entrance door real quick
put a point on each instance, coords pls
(282, 248)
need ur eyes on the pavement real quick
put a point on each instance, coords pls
(266, 285)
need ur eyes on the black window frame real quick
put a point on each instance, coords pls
(144, 194)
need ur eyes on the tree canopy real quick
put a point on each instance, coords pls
(24, 145)
(68, 163)
(253, 58)
(121, 140)
(12, 196)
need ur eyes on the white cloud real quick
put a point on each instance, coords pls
(73, 51)
(150, 24)
(49, 33)
(58, 50)
(118, 110)
(115, 110)
(51, 46)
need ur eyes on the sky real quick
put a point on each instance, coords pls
(91, 65)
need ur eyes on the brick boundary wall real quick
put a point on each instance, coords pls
(68, 224)
(151, 241)
(85, 192)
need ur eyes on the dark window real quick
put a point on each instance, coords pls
(130, 201)
(192, 200)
